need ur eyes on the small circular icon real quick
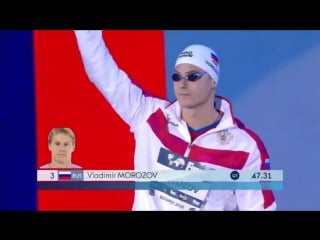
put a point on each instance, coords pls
(234, 175)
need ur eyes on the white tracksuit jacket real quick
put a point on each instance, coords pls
(162, 136)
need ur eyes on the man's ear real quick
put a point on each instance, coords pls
(213, 85)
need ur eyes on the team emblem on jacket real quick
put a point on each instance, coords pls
(224, 137)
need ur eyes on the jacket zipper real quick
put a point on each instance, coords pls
(186, 154)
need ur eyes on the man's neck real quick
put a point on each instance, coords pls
(199, 118)
(55, 164)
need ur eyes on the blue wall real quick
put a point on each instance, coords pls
(273, 79)
(17, 122)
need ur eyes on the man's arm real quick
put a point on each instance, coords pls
(125, 97)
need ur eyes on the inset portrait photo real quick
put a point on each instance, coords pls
(61, 144)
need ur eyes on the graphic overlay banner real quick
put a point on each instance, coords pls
(164, 180)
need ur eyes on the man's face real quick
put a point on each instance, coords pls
(192, 94)
(61, 148)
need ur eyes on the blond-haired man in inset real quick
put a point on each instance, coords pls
(61, 143)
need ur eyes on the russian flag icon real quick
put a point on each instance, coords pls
(267, 163)
(64, 175)
(215, 59)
